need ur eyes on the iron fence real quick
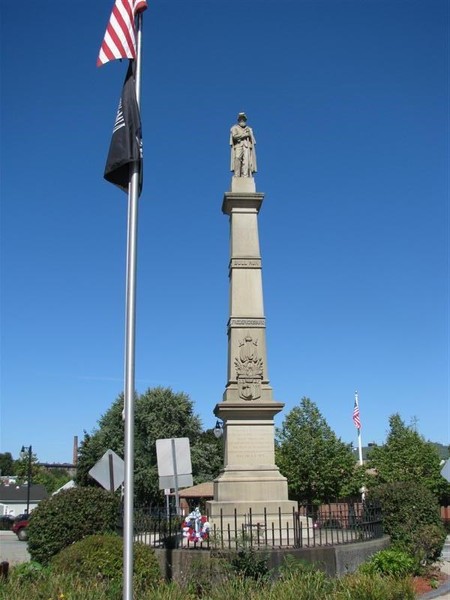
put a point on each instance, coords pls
(308, 527)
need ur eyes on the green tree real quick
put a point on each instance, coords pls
(406, 457)
(22, 466)
(6, 464)
(159, 413)
(208, 456)
(51, 479)
(317, 464)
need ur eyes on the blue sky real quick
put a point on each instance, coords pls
(348, 100)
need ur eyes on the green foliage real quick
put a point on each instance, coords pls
(428, 542)
(207, 456)
(361, 586)
(317, 464)
(7, 464)
(204, 574)
(406, 456)
(294, 567)
(306, 585)
(22, 467)
(159, 413)
(28, 572)
(442, 450)
(303, 584)
(392, 561)
(51, 479)
(248, 562)
(101, 557)
(50, 585)
(67, 517)
(411, 517)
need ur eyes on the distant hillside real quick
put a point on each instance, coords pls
(444, 451)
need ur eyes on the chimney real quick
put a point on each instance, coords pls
(75, 450)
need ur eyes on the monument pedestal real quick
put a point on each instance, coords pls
(250, 487)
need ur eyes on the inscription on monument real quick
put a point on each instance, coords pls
(247, 322)
(252, 445)
(248, 263)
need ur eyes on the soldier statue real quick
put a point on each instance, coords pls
(243, 152)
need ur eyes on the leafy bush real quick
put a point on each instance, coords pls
(428, 543)
(303, 585)
(296, 567)
(306, 586)
(360, 586)
(409, 509)
(101, 557)
(251, 563)
(28, 571)
(68, 517)
(390, 562)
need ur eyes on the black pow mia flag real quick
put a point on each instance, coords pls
(126, 141)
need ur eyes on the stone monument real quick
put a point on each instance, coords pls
(250, 480)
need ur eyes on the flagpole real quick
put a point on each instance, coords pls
(363, 489)
(359, 435)
(130, 344)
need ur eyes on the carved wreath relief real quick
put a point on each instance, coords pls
(249, 369)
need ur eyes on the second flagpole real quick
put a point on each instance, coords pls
(361, 462)
(130, 344)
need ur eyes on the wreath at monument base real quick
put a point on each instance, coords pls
(196, 527)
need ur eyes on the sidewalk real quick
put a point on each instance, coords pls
(11, 550)
(444, 590)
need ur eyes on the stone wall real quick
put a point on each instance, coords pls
(333, 560)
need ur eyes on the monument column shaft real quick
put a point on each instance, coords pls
(250, 479)
(246, 292)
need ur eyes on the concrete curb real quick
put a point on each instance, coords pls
(441, 592)
(444, 564)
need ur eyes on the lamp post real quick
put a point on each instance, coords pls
(28, 449)
(218, 429)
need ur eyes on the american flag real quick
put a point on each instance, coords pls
(120, 35)
(356, 419)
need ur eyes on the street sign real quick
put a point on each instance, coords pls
(174, 463)
(109, 471)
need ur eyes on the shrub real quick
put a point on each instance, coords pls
(303, 585)
(28, 572)
(101, 557)
(428, 542)
(360, 586)
(409, 509)
(307, 586)
(295, 567)
(396, 563)
(68, 517)
(251, 563)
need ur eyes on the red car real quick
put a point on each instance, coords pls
(20, 528)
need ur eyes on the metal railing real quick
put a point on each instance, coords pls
(310, 526)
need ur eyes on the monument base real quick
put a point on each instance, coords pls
(222, 513)
(271, 523)
(244, 185)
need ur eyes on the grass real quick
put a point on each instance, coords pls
(43, 584)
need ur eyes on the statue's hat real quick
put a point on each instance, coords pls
(242, 115)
